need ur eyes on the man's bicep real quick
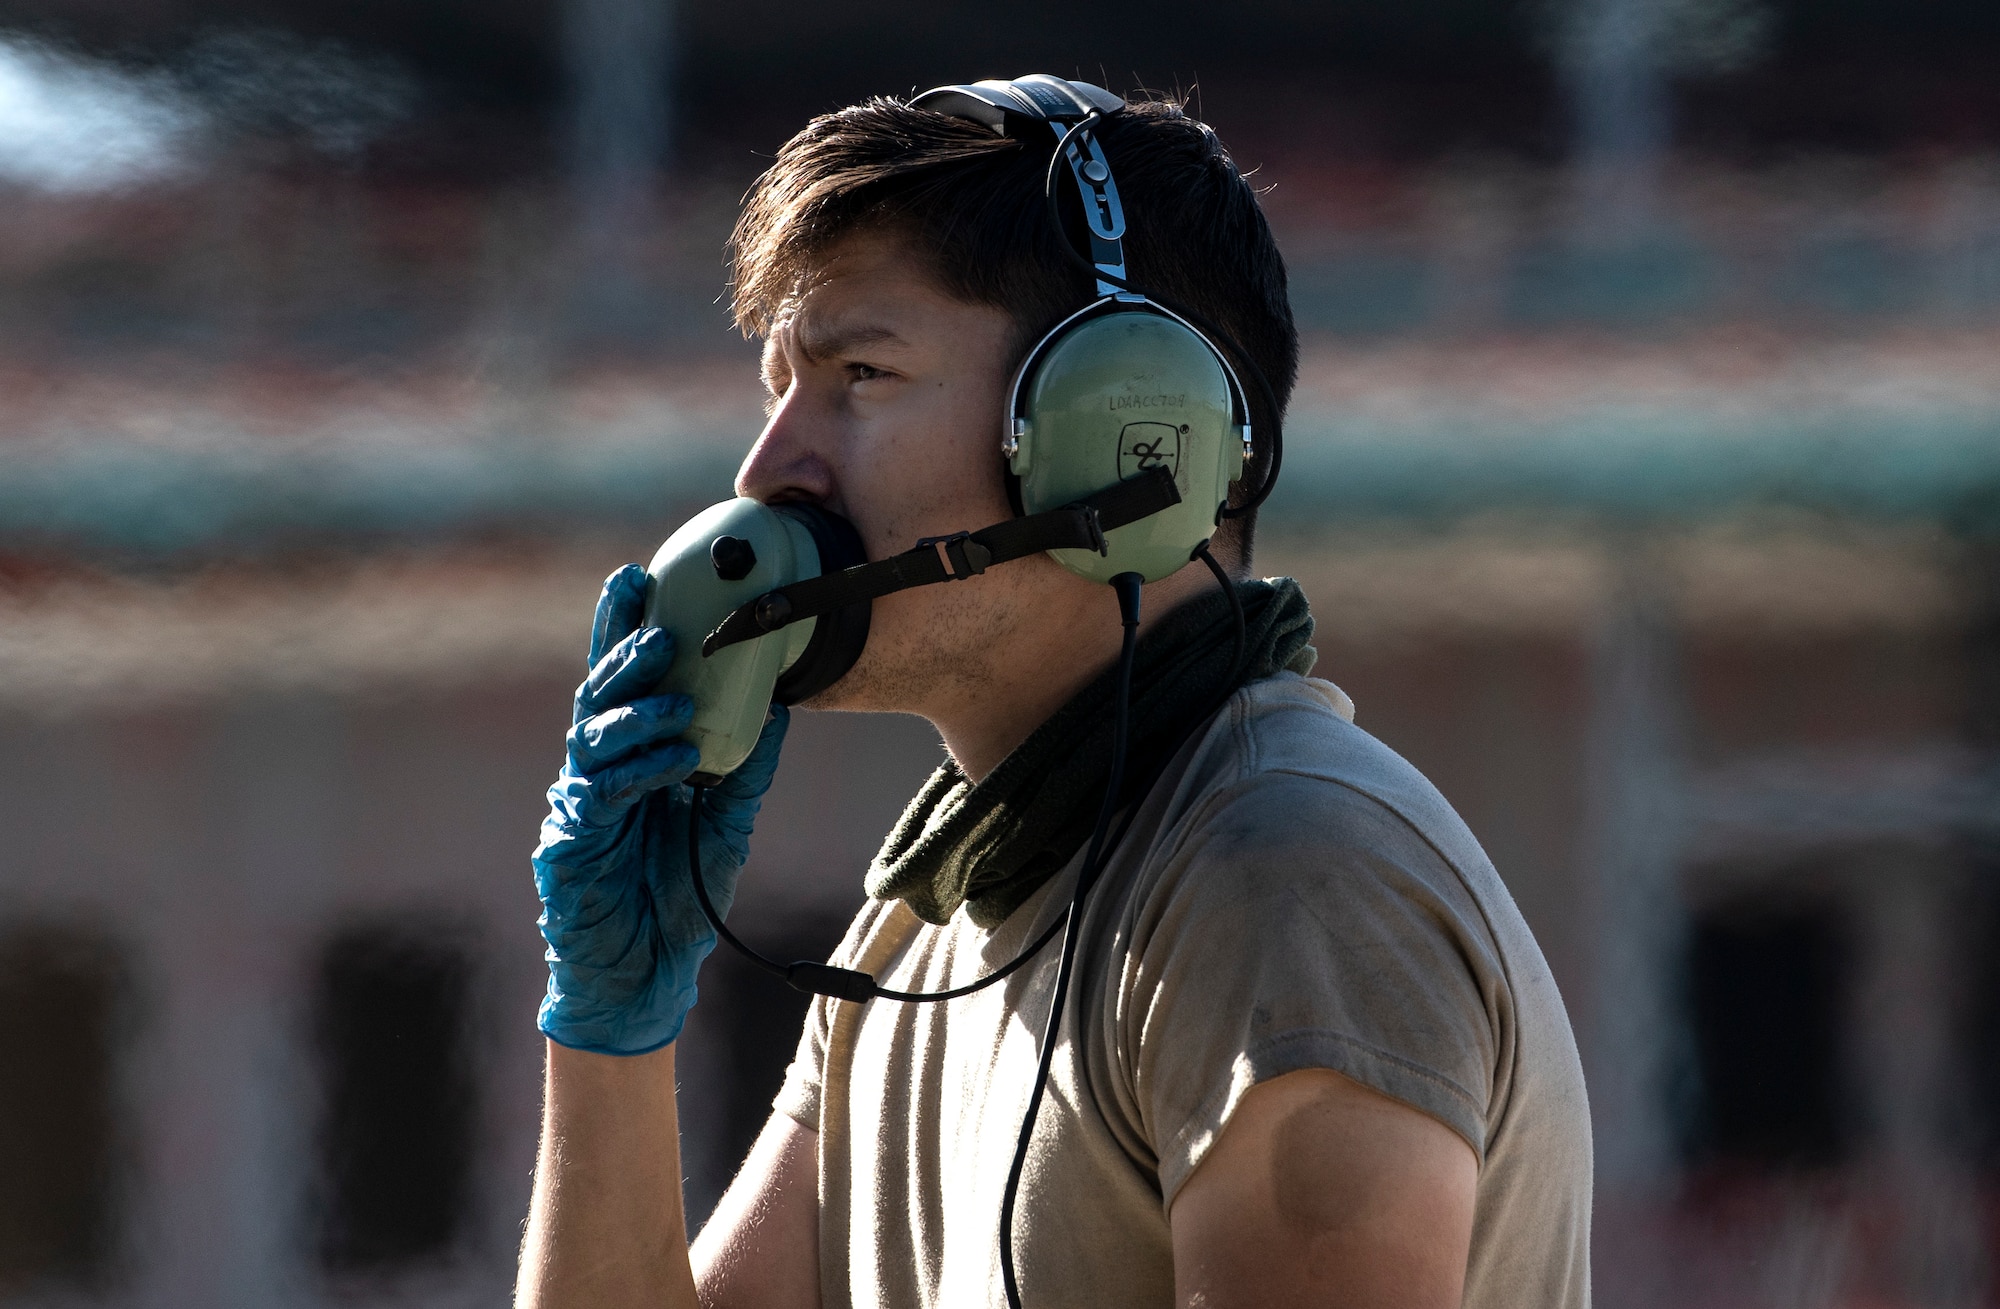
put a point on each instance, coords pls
(1321, 1192)
(760, 1249)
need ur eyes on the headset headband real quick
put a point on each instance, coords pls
(1061, 106)
(1036, 97)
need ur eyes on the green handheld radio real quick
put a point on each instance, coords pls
(724, 557)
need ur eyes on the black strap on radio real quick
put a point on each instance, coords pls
(1079, 526)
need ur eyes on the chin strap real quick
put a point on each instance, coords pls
(1079, 526)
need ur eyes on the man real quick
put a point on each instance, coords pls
(1312, 1055)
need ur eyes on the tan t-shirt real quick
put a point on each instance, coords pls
(1292, 895)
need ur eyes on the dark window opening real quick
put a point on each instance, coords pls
(396, 1141)
(1767, 990)
(64, 996)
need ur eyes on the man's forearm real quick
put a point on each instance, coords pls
(606, 1228)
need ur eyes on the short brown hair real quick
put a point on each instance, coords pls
(972, 202)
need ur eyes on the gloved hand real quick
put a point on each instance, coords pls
(625, 935)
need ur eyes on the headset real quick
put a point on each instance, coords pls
(1125, 426)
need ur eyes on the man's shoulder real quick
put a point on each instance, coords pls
(1286, 757)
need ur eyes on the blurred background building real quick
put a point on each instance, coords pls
(1645, 475)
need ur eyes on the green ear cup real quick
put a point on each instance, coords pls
(694, 586)
(1109, 397)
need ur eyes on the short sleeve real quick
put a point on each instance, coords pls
(802, 1096)
(1302, 924)
(799, 1097)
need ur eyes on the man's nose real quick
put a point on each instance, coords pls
(790, 459)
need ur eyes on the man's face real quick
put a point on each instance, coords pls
(886, 402)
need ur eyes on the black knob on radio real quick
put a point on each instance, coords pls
(733, 558)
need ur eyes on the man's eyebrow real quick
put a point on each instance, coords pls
(816, 342)
(769, 361)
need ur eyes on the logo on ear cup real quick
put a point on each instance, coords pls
(1150, 445)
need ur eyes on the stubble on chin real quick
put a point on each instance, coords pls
(928, 649)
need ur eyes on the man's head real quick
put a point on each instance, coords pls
(882, 223)
(969, 203)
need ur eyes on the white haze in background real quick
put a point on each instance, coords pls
(276, 85)
(70, 124)
(75, 125)
(1618, 60)
(1679, 38)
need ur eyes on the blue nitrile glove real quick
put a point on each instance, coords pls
(625, 934)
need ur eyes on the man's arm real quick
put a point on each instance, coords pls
(605, 1227)
(616, 869)
(1322, 1192)
(760, 1249)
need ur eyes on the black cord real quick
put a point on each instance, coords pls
(978, 984)
(701, 889)
(1223, 580)
(1215, 334)
(850, 984)
(1127, 585)
(1228, 688)
(817, 978)
(802, 973)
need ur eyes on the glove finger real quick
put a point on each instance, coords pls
(624, 783)
(604, 739)
(630, 669)
(732, 803)
(574, 809)
(619, 609)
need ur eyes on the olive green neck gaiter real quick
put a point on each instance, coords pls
(990, 846)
